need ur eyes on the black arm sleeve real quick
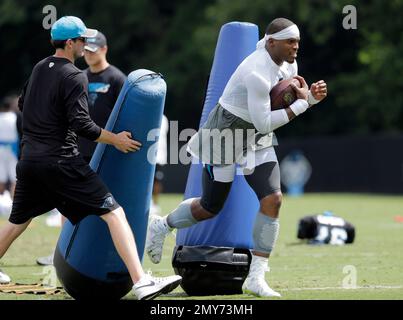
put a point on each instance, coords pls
(76, 101)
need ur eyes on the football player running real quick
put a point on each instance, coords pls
(245, 105)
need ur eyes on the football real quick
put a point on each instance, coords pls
(282, 94)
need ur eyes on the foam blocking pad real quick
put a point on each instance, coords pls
(233, 225)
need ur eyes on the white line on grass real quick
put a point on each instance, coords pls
(341, 288)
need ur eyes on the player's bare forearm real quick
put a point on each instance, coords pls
(106, 137)
(122, 141)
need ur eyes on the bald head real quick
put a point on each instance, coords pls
(278, 24)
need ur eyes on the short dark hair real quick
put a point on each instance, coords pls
(61, 44)
(278, 24)
(58, 44)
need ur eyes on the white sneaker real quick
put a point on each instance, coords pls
(149, 287)
(255, 282)
(258, 287)
(4, 279)
(156, 233)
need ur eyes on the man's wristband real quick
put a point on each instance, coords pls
(311, 99)
(299, 106)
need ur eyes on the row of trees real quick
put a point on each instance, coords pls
(177, 38)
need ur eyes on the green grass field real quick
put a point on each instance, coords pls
(298, 271)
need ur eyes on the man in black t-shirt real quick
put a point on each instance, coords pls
(104, 84)
(51, 172)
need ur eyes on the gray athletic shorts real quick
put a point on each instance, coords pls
(225, 139)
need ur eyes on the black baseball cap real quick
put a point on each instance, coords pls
(93, 44)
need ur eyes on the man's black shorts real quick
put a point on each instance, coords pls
(70, 185)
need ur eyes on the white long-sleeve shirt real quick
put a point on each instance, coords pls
(246, 96)
(247, 93)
